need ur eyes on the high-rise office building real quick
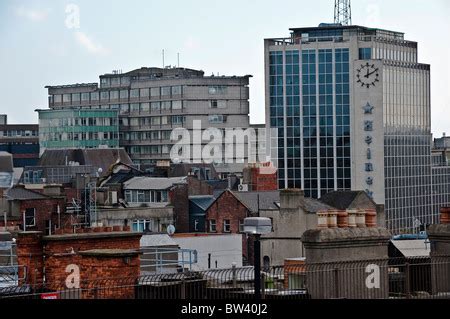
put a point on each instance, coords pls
(351, 107)
(152, 102)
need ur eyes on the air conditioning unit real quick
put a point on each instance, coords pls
(243, 188)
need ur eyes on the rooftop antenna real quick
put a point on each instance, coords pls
(178, 56)
(342, 12)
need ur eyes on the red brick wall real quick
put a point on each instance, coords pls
(199, 188)
(30, 258)
(263, 182)
(46, 209)
(227, 207)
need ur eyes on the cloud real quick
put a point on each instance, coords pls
(89, 44)
(34, 15)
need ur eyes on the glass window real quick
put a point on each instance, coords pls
(166, 106)
(67, 98)
(134, 108)
(164, 120)
(217, 119)
(104, 95)
(57, 98)
(85, 97)
(155, 92)
(178, 120)
(30, 220)
(144, 92)
(156, 120)
(115, 81)
(212, 226)
(165, 91)
(76, 97)
(134, 93)
(226, 226)
(114, 95)
(94, 96)
(145, 107)
(124, 94)
(176, 90)
(365, 53)
(156, 106)
(177, 105)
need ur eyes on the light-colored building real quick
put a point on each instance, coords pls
(152, 102)
(352, 109)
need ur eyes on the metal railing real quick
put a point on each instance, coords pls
(166, 260)
(420, 278)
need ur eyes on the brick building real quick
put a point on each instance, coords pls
(38, 211)
(100, 254)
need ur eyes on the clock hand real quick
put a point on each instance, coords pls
(372, 73)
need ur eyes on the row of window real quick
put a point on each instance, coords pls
(111, 95)
(212, 226)
(18, 133)
(146, 196)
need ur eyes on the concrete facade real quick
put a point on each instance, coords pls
(153, 101)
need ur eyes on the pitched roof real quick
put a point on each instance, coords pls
(21, 193)
(203, 202)
(152, 183)
(314, 205)
(99, 158)
(342, 199)
(267, 200)
(413, 248)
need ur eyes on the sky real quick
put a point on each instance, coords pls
(43, 43)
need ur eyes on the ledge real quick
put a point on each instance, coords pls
(346, 235)
(110, 253)
(68, 237)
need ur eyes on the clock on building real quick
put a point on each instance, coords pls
(367, 75)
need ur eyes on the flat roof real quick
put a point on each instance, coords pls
(343, 27)
(78, 85)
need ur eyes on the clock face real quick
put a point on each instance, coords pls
(367, 75)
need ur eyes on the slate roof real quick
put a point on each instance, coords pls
(314, 205)
(203, 202)
(152, 183)
(99, 158)
(342, 199)
(267, 200)
(20, 193)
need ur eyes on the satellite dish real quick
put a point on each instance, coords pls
(171, 230)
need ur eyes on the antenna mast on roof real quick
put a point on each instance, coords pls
(342, 12)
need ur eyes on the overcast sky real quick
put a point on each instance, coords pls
(38, 47)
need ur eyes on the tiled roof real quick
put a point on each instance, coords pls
(267, 200)
(341, 199)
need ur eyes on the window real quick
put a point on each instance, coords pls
(212, 226)
(214, 90)
(30, 217)
(142, 225)
(166, 106)
(134, 108)
(217, 119)
(177, 120)
(177, 105)
(94, 96)
(155, 92)
(241, 226)
(57, 98)
(134, 93)
(156, 120)
(165, 91)
(115, 81)
(66, 98)
(365, 53)
(124, 94)
(176, 90)
(214, 104)
(114, 95)
(226, 226)
(85, 97)
(76, 97)
(145, 92)
(156, 106)
(104, 95)
(145, 107)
